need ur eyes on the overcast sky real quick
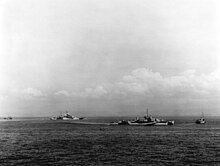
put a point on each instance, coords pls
(109, 57)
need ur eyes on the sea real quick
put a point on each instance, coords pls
(40, 141)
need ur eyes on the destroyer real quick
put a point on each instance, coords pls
(146, 121)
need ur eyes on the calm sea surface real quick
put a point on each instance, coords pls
(43, 142)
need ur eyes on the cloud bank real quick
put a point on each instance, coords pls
(183, 94)
(145, 82)
(62, 93)
(188, 84)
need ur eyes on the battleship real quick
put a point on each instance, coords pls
(67, 116)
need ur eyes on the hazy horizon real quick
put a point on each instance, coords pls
(109, 58)
(131, 116)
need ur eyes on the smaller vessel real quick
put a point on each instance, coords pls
(8, 118)
(122, 122)
(201, 120)
(171, 122)
(161, 122)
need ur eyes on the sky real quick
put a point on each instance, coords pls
(109, 57)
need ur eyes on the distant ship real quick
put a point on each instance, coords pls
(137, 122)
(67, 116)
(161, 122)
(146, 121)
(8, 118)
(201, 120)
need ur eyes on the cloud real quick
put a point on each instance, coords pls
(140, 80)
(63, 93)
(89, 92)
(32, 92)
(98, 91)
(144, 81)
(182, 92)
(27, 93)
(3, 97)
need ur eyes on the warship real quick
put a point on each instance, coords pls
(146, 121)
(67, 116)
(201, 120)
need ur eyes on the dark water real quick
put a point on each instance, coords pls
(44, 142)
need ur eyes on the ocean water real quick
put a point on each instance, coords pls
(43, 142)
